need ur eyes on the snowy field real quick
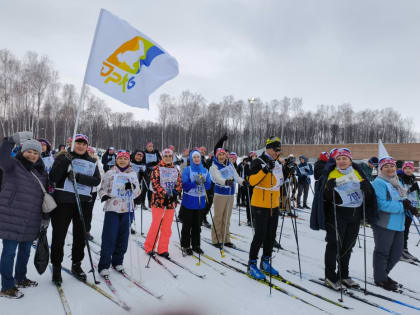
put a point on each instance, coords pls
(232, 293)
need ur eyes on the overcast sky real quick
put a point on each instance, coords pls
(364, 52)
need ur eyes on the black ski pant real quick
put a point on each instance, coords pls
(60, 221)
(190, 233)
(348, 225)
(303, 187)
(248, 198)
(265, 231)
(209, 203)
(387, 253)
(145, 190)
(240, 197)
(89, 211)
(408, 221)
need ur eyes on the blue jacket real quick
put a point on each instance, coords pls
(194, 197)
(304, 171)
(390, 208)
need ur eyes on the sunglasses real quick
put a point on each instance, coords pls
(277, 150)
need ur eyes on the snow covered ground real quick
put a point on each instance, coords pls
(232, 293)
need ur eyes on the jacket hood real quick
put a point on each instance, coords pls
(194, 167)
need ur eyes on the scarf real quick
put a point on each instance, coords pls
(347, 171)
(394, 181)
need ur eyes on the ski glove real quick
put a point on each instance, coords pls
(414, 187)
(229, 182)
(105, 198)
(407, 204)
(364, 186)
(200, 180)
(268, 167)
(22, 136)
(414, 211)
(129, 186)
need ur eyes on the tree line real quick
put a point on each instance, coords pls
(33, 98)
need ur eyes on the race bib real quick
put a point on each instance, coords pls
(151, 157)
(48, 162)
(168, 178)
(278, 174)
(118, 186)
(80, 167)
(349, 191)
(138, 167)
(198, 190)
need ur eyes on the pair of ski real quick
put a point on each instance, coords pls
(349, 292)
(176, 263)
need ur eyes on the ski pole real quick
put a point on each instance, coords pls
(271, 215)
(364, 240)
(250, 211)
(82, 219)
(358, 240)
(224, 236)
(284, 214)
(135, 226)
(294, 224)
(338, 247)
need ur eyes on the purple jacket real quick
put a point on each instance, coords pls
(20, 197)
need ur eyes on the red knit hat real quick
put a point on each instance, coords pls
(123, 154)
(220, 150)
(324, 156)
(342, 152)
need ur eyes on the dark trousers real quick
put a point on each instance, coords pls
(89, 211)
(209, 203)
(7, 261)
(348, 224)
(265, 231)
(248, 198)
(145, 190)
(387, 253)
(60, 221)
(408, 221)
(114, 239)
(241, 196)
(190, 233)
(303, 187)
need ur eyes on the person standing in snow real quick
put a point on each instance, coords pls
(152, 158)
(224, 177)
(138, 164)
(195, 181)
(20, 209)
(388, 229)
(371, 168)
(46, 155)
(87, 176)
(303, 171)
(166, 184)
(119, 187)
(210, 192)
(91, 203)
(338, 208)
(409, 182)
(108, 159)
(267, 176)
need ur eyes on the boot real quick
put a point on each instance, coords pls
(188, 251)
(164, 255)
(78, 272)
(12, 293)
(387, 285)
(26, 283)
(305, 206)
(143, 206)
(253, 270)
(350, 283)
(335, 285)
(266, 266)
(89, 236)
(56, 278)
(198, 250)
(206, 224)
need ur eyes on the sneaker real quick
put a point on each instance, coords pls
(78, 272)
(333, 285)
(104, 273)
(119, 268)
(26, 283)
(266, 266)
(253, 271)
(12, 293)
(387, 285)
(198, 250)
(164, 254)
(187, 250)
(231, 245)
(56, 277)
(350, 283)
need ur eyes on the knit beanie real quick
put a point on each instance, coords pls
(31, 145)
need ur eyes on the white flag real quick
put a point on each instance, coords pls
(126, 64)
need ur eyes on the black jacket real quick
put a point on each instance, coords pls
(320, 206)
(106, 158)
(319, 168)
(60, 171)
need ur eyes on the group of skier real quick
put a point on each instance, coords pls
(346, 195)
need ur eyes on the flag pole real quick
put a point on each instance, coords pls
(83, 89)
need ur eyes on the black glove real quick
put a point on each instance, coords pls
(229, 182)
(331, 184)
(290, 165)
(224, 137)
(414, 211)
(245, 183)
(105, 198)
(407, 204)
(364, 186)
(129, 186)
(268, 167)
(414, 187)
(70, 176)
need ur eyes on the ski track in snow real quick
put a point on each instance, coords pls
(216, 294)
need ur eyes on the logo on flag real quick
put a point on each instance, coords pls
(125, 64)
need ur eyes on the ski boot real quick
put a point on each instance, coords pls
(78, 272)
(164, 255)
(104, 273)
(253, 270)
(266, 266)
(12, 293)
(26, 283)
(333, 285)
(187, 250)
(198, 250)
(56, 277)
(387, 285)
(350, 283)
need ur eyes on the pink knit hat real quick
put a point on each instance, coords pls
(386, 160)
(409, 164)
(342, 152)
(220, 150)
(168, 152)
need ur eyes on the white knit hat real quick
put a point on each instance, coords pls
(31, 145)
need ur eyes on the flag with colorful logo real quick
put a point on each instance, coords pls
(126, 64)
